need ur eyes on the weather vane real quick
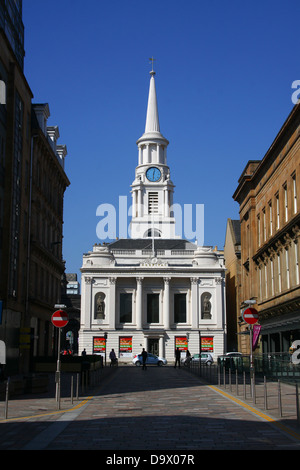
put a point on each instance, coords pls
(152, 60)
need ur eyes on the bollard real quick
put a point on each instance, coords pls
(236, 382)
(279, 399)
(224, 377)
(219, 376)
(297, 404)
(77, 387)
(6, 398)
(244, 384)
(72, 385)
(229, 378)
(253, 388)
(58, 393)
(265, 394)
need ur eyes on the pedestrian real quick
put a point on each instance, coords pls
(112, 357)
(83, 352)
(188, 358)
(177, 357)
(144, 355)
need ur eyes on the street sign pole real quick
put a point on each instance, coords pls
(57, 376)
(59, 320)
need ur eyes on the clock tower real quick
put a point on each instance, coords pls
(152, 189)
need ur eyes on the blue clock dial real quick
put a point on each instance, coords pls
(153, 174)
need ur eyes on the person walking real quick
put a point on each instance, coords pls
(144, 355)
(177, 357)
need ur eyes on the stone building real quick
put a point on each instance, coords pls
(152, 290)
(268, 195)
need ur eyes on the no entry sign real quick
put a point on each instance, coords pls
(250, 315)
(60, 318)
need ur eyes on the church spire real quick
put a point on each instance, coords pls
(152, 120)
(152, 128)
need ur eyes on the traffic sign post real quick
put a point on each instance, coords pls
(59, 320)
(250, 316)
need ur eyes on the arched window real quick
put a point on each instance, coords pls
(99, 306)
(156, 233)
(206, 306)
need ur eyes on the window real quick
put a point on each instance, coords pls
(258, 229)
(264, 224)
(296, 262)
(153, 203)
(180, 308)
(285, 202)
(125, 308)
(287, 268)
(279, 272)
(270, 219)
(294, 193)
(152, 308)
(272, 277)
(277, 211)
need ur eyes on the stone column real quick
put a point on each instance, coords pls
(88, 306)
(166, 304)
(194, 303)
(139, 303)
(112, 303)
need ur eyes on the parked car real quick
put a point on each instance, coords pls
(234, 354)
(206, 358)
(152, 359)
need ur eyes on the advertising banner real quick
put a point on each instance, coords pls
(125, 346)
(255, 337)
(207, 343)
(99, 345)
(181, 342)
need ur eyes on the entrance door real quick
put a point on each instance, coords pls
(153, 345)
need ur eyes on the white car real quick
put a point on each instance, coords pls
(152, 359)
(206, 358)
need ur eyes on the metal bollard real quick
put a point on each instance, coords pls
(265, 394)
(229, 378)
(77, 387)
(297, 404)
(244, 385)
(253, 388)
(6, 399)
(72, 387)
(279, 399)
(236, 382)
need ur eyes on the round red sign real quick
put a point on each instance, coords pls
(60, 318)
(250, 315)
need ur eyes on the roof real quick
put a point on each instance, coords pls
(146, 244)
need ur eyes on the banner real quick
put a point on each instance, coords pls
(125, 346)
(255, 336)
(207, 343)
(99, 345)
(181, 342)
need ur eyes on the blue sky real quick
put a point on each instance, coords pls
(224, 72)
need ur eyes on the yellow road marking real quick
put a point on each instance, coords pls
(50, 413)
(262, 415)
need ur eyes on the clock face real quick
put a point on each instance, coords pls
(153, 174)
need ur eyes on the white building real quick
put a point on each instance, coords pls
(153, 290)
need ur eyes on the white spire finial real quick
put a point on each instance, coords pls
(152, 60)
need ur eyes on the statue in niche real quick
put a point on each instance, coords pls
(206, 306)
(100, 306)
